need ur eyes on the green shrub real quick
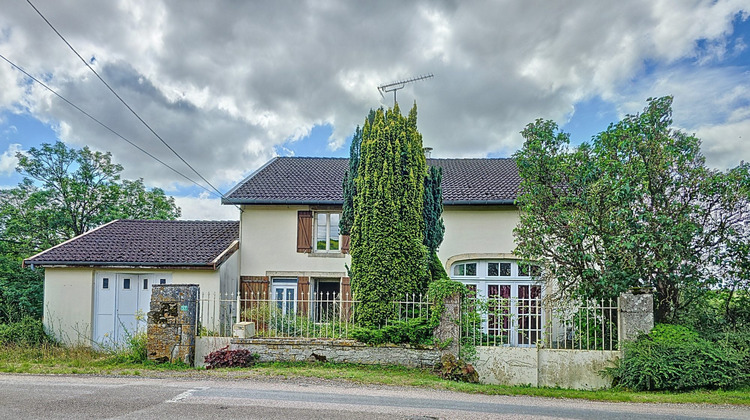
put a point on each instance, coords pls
(415, 331)
(135, 349)
(675, 358)
(26, 332)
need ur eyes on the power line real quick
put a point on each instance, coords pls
(101, 123)
(122, 100)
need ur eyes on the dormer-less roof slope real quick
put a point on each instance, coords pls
(305, 180)
(147, 243)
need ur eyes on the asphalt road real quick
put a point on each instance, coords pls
(72, 397)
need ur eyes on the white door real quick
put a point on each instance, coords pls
(284, 292)
(121, 306)
(104, 309)
(127, 306)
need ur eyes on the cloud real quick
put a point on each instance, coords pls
(205, 208)
(227, 83)
(8, 160)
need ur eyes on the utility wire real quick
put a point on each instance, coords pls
(101, 123)
(122, 100)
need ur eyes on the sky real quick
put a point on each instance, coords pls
(229, 85)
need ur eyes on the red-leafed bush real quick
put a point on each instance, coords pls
(224, 357)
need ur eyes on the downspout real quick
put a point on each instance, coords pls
(239, 268)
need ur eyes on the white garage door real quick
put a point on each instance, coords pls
(121, 303)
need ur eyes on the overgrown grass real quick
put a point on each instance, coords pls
(83, 360)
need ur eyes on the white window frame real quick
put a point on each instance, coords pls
(482, 281)
(328, 237)
(287, 304)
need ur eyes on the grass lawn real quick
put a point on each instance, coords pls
(81, 360)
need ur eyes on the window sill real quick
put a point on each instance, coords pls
(326, 255)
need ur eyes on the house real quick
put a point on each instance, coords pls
(97, 286)
(290, 246)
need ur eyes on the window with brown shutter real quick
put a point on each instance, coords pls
(304, 231)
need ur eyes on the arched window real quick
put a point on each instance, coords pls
(512, 293)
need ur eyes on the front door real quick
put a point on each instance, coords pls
(284, 292)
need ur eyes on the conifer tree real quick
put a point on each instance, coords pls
(389, 258)
(434, 230)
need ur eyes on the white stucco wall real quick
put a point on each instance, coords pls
(269, 245)
(69, 304)
(269, 238)
(69, 297)
(478, 230)
(229, 275)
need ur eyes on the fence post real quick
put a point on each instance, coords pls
(172, 323)
(449, 330)
(635, 314)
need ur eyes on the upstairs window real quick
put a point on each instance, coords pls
(327, 232)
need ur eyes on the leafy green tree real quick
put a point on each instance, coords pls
(389, 259)
(84, 187)
(65, 192)
(638, 207)
(21, 290)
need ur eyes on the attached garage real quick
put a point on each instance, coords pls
(97, 286)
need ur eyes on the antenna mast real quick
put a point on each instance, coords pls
(393, 87)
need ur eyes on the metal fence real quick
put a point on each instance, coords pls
(314, 315)
(532, 322)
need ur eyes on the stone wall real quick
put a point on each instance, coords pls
(636, 314)
(576, 369)
(206, 345)
(172, 323)
(341, 351)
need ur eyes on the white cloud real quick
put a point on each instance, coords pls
(205, 208)
(8, 160)
(226, 83)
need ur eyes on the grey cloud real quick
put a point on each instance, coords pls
(225, 82)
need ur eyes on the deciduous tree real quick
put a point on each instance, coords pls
(637, 207)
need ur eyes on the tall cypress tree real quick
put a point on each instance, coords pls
(389, 259)
(350, 189)
(434, 230)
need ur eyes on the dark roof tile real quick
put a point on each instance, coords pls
(145, 243)
(306, 180)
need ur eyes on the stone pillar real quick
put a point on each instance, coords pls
(449, 330)
(635, 315)
(172, 323)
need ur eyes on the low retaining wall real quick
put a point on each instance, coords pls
(341, 351)
(206, 345)
(576, 369)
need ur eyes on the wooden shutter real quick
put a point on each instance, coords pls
(304, 231)
(344, 244)
(303, 294)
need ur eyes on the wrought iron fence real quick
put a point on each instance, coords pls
(314, 315)
(532, 322)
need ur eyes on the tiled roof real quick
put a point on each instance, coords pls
(304, 180)
(152, 243)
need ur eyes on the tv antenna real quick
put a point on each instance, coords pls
(393, 87)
